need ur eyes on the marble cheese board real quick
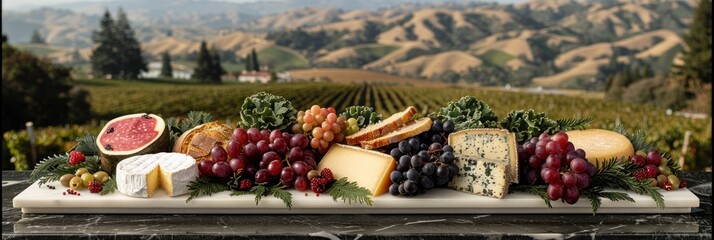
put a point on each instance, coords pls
(43, 200)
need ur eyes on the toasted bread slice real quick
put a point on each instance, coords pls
(379, 129)
(412, 128)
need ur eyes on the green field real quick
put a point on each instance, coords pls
(496, 57)
(376, 50)
(279, 58)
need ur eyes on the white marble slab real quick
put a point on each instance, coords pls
(437, 201)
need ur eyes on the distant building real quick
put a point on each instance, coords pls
(179, 71)
(255, 77)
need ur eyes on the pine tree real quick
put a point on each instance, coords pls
(204, 64)
(37, 38)
(131, 61)
(4, 38)
(697, 59)
(249, 64)
(103, 57)
(166, 69)
(256, 63)
(216, 69)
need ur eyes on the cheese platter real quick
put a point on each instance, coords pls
(278, 160)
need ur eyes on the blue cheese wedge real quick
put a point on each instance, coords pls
(494, 145)
(481, 177)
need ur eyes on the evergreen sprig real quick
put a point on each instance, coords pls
(567, 124)
(262, 190)
(178, 126)
(204, 186)
(540, 190)
(615, 174)
(87, 145)
(109, 186)
(349, 192)
(638, 139)
(52, 168)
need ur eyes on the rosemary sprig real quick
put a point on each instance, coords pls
(204, 186)
(539, 190)
(615, 174)
(261, 190)
(109, 186)
(568, 124)
(349, 192)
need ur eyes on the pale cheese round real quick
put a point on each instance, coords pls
(601, 145)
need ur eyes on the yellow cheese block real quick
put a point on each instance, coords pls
(369, 169)
(601, 145)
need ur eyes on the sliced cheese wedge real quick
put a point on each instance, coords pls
(381, 128)
(141, 176)
(412, 128)
(481, 177)
(495, 145)
(369, 169)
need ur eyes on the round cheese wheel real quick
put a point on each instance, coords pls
(601, 145)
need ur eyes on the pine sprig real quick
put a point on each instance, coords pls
(572, 124)
(596, 195)
(615, 174)
(638, 139)
(109, 186)
(43, 168)
(539, 190)
(52, 168)
(87, 145)
(349, 192)
(261, 190)
(179, 126)
(204, 186)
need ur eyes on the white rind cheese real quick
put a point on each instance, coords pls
(141, 176)
(481, 177)
(494, 145)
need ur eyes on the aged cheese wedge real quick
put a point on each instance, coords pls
(495, 145)
(141, 176)
(601, 145)
(369, 169)
(481, 177)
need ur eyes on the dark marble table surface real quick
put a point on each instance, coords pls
(16, 225)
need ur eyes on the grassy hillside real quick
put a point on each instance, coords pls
(280, 58)
(496, 57)
(376, 50)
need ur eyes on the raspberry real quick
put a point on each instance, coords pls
(651, 171)
(245, 184)
(667, 186)
(327, 174)
(75, 158)
(640, 174)
(95, 187)
(318, 184)
(682, 183)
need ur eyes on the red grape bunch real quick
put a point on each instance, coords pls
(262, 156)
(555, 162)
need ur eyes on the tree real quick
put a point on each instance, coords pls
(166, 70)
(37, 90)
(249, 64)
(4, 38)
(37, 38)
(256, 63)
(131, 61)
(103, 57)
(697, 59)
(204, 65)
(216, 69)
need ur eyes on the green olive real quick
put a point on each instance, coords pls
(641, 153)
(674, 180)
(101, 176)
(64, 180)
(652, 182)
(86, 179)
(663, 162)
(661, 179)
(81, 172)
(664, 170)
(312, 173)
(75, 183)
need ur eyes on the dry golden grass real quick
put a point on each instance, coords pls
(341, 75)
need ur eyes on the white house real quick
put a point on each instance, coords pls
(179, 71)
(255, 77)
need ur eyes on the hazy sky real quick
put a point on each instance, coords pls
(10, 4)
(14, 4)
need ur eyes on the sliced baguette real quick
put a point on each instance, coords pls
(379, 129)
(412, 128)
